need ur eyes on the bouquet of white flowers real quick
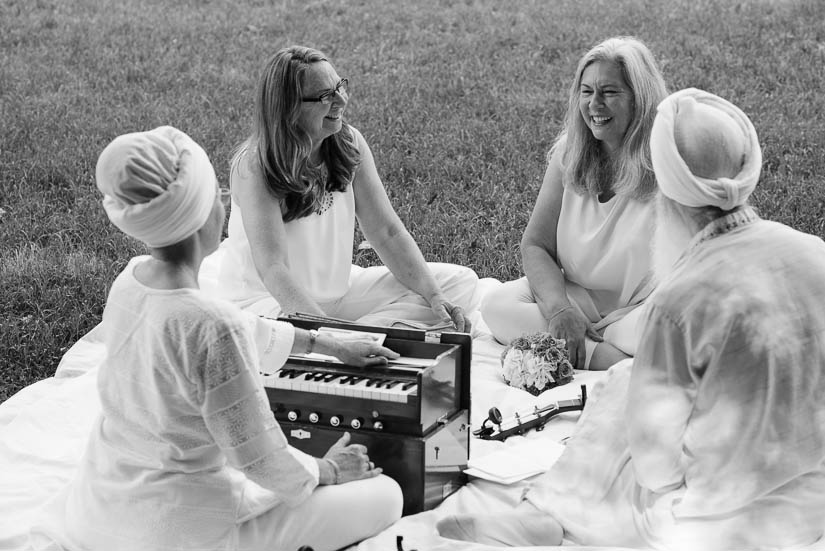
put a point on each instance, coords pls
(536, 362)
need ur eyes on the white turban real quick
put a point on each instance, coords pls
(158, 186)
(699, 124)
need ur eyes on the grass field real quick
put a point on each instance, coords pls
(459, 101)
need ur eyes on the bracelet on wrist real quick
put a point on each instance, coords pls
(313, 335)
(559, 312)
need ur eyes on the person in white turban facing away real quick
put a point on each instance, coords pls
(299, 184)
(715, 438)
(186, 453)
(586, 249)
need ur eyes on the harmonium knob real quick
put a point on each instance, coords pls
(335, 420)
(293, 414)
(378, 425)
(356, 423)
(314, 417)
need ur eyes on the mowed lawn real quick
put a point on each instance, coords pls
(459, 100)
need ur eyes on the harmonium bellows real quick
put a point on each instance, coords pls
(413, 415)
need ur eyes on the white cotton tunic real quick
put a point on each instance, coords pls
(604, 249)
(713, 437)
(319, 253)
(726, 393)
(186, 446)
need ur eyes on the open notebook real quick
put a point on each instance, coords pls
(520, 459)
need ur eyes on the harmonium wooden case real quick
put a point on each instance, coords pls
(413, 416)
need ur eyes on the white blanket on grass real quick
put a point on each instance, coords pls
(44, 428)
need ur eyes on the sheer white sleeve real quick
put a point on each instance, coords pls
(660, 403)
(237, 413)
(273, 340)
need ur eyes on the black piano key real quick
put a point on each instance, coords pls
(408, 386)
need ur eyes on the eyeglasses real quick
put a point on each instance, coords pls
(327, 97)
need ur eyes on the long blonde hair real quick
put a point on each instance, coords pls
(587, 167)
(282, 149)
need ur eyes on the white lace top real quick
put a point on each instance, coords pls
(186, 446)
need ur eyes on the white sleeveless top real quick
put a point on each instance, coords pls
(319, 253)
(604, 248)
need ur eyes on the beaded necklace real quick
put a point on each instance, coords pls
(324, 202)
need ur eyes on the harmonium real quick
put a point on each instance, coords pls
(413, 415)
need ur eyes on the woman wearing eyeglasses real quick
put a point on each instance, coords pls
(299, 182)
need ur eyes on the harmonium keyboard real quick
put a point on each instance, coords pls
(412, 414)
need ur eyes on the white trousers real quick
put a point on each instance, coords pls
(332, 518)
(376, 297)
(511, 311)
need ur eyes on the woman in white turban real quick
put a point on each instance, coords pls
(186, 453)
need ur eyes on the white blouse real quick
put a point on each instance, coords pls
(604, 248)
(319, 253)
